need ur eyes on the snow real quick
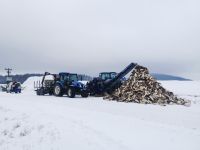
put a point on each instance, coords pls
(31, 122)
(28, 85)
(183, 88)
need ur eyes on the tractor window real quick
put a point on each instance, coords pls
(69, 77)
(105, 76)
(113, 75)
(73, 77)
(109, 75)
(64, 77)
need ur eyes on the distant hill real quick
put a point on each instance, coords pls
(168, 77)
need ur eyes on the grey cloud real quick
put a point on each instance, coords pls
(95, 35)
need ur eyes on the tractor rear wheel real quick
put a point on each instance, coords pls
(58, 90)
(71, 92)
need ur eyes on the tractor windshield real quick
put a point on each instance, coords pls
(109, 75)
(68, 77)
(105, 76)
(73, 77)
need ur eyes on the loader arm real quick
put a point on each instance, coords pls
(110, 84)
(45, 74)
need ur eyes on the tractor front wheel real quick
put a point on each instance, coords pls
(40, 92)
(71, 92)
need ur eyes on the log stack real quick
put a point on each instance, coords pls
(141, 87)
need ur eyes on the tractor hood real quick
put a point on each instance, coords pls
(78, 84)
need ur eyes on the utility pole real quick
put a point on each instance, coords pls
(8, 78)
(8, 70)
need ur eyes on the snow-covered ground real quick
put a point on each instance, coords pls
(30, 122)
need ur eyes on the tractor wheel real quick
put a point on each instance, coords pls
(84, 94)
(40, 92)
(50, 92)
(58, 90)
(71, 93)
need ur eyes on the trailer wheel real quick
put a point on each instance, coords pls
(71, 92)
(50, 92)
(40, 92)
(58, 90)
(84, 94)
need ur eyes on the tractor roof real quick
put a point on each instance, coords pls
(66, 73)
(106, 72)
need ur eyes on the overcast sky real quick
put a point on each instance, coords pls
(90, 36)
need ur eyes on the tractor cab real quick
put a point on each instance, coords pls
(107, 75)
(98, 84)
(69, 77)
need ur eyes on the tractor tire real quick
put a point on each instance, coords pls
(58, 90)
(84, 94)
(40, 92)
(109, 91)
(71, 93)
(51, 93)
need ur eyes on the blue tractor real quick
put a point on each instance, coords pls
(62, 84)
(13, 87)
(107, 82)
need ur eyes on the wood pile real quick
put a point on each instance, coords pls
(141, 87)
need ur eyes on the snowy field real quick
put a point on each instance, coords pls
(30, 122)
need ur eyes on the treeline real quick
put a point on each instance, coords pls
(83, 77)
(23, 78)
